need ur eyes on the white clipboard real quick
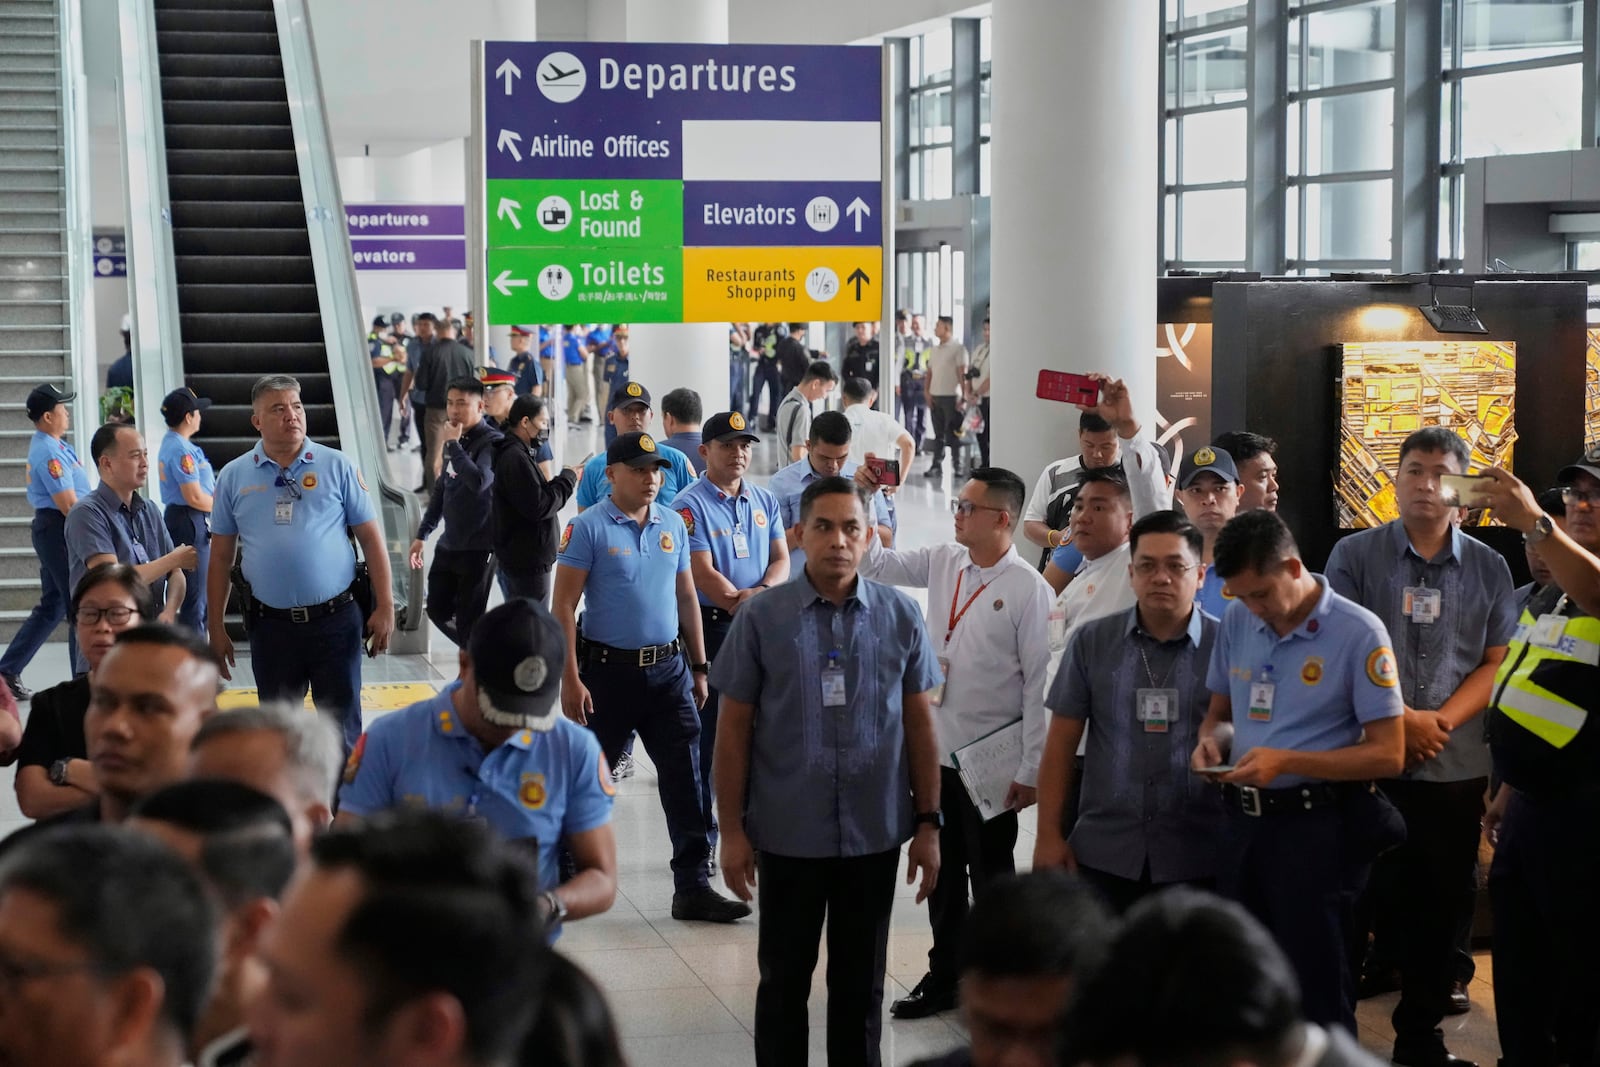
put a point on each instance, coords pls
(988, 766)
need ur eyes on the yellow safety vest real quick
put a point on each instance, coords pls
(1551, 663)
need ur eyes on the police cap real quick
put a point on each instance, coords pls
(635, 450)
(517, 652)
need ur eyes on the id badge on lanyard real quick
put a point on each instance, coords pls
(833, 687)
(1261, 694)
(741, 542)
(283, 511)
(1157, 709)
(1421, 604)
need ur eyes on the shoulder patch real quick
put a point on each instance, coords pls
(687, 515)
(566, 537)
(186, 464)
(1381, 668)
(55, 468)
(607, 786)
(353, 765)
(362, 482)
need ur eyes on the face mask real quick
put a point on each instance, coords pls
(541, 438)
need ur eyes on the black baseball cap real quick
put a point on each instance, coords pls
(727, 426)
(380, 322)
(1588, 463)
(396, 318)
(1207, 458)
(631, 393)
(518, 652)
(178, 403)
(635, 450)
(44, 399)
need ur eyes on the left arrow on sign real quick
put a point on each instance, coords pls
(508, 209)
(509, 139)
(508, 70)
(505, 282)
(858, 278)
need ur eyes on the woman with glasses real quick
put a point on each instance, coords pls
(53, 770)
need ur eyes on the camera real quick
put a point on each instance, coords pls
(972, 374)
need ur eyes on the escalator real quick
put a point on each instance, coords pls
(245, 267)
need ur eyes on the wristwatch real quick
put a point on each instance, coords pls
(1542, 528)
(58, 772)
(700, 668)
(933, 818)
(558, 909)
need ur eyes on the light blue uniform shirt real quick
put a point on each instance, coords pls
(593, 487)
(1067, 557)
(1477, 611)
(52, 467)
(631, 594)
(713, 518)
(306, 559)
(1331, 676)
(827, 781)
(790, 482)
(538, 785)
(1212, 600)
(180, 463)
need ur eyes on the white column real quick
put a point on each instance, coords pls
(1073, 265)
(694, 355)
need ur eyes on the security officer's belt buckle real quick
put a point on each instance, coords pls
(647, 656)
(1250, 800)
(301, 615)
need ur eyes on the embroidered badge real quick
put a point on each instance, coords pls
(687, 514)
(1311, 670)
(666, 542)
(1381, 668)
(353, 764)
(532, 791)
(308, 480)
(566, 537)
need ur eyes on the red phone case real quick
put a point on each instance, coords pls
(1067, 388)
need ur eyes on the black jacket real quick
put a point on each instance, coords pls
(526, 504)
(461, 493)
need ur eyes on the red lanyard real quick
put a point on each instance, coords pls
(956, 616)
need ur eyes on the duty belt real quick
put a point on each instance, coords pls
(308, 613)
(594, 652)
(1258, 802)
(714, 614)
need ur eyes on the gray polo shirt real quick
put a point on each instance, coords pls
(794, 422)
(827, 781)
(101, 523)
(1141, 804)
(1477, 610)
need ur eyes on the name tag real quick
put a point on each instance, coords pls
(833, 688)
(1421, 604)
(936, 694)
(1058, 626)
(741, 543)
(283, 513)
(1548, 630)
(1156, 708)
(1261, 701)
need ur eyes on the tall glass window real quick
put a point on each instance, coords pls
(930, 137)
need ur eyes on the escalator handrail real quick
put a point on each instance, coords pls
(356, 403)
(76, 199)
(157, 344)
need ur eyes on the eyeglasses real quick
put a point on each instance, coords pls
(965, 508)
(116, 616)
(1148, 568)
(1587, 497)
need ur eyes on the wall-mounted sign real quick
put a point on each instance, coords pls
(110, 254)
(407, 236)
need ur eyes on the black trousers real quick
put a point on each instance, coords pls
(458, 591)
(946, 420)
(1547, 931)
(535, 585)
(766, 377)
(387, 386)
(855, 895)
(983, 434)
(1120, 893)
(1417, 896)
(715, 623)
(971, 852)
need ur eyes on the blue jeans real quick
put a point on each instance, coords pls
(50, 545)
(658, 703)
(189, 527)
(323, 655)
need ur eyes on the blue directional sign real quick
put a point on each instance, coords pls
(682, 183)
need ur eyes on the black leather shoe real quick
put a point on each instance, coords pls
(18, 690)
(926, 999)
(1376, 981)
(1460, 1002)
(1436, 1058)
(934, 471)
(708, 905)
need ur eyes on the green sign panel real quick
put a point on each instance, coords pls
(587, 284)
(584, 213)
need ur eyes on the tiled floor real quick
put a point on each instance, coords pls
(684, 993)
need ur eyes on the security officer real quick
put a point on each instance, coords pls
(1544, 732)
(459, 581)
(625, 668)
(736, 550)
(493, 745)
(293, 506)
(187, 483)
(1308, 681)
(630, 412)
(56, 481)
(527, 372)
(1209, 491)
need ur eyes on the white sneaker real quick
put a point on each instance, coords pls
(623, 769)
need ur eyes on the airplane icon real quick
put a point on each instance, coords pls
(555, 73)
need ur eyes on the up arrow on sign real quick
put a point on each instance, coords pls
(508, 209)
(508, 70)
(509, 139)
(505, 281)
(857, 278)
(858, 207)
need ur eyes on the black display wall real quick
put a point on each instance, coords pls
(1276, 367)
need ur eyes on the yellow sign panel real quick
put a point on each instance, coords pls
(782, 284)
(381, 696)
